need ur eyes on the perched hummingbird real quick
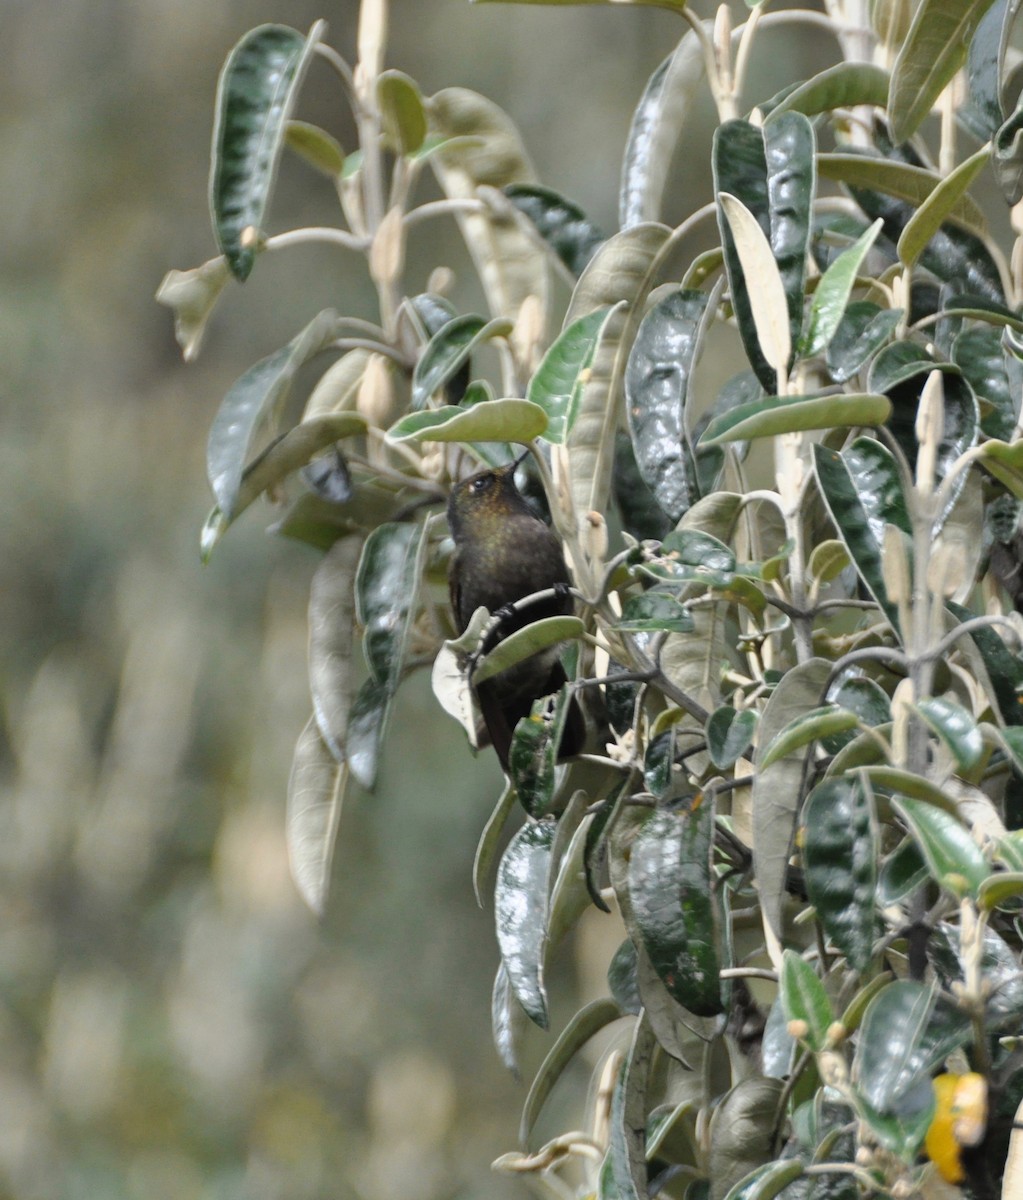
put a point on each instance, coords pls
(504, 552)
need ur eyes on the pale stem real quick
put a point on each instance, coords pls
(317, 233)
(442, 208)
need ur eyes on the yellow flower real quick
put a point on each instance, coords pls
(960, 1118)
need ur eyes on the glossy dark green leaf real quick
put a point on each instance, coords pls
(255, 95)
(901, 874)
(790, 414)
(995, 376)
(934, 50)
(386, 591)
(653, 611)
(520, 904)
(862, 490)
(331, 642)
(536, 636)
(253, 402)
(844, 85)
(1004, 669)
(658, 762)
(955, 254)
(367, 723)
(563, 225)
(907, 1032)
(897, 364)
(315, 789)
(670, 890)
(742, 1133)
(558, 382)
(595, 851)
(983, 112)
(777, 791)
(866, 699)
(621, 978)
(319, 523)
(729, 734)
(656, 126)
(863, 330)
(778, 1047)
(640, 513)
(657, 379)
(999, 969)
(808, 727)
(447, 352)
(508, 1021)
(805, 999)
(956, 728)
(533, 754)
(953, 857)
(840, 847)
(771, 170)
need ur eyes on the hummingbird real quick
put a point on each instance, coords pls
(503, 553)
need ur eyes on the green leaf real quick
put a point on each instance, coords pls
(999, 969)
(982, 112)
(670, 890)
(525, 642)
(953, 857)
(520, 902)
(507, 420)
(901, 873)
(367, 723)
(845, 85)
(777, 790)
(833, 291)
(694, 548)
(482, 148)
(863, 697)
(316, 147)
(507, 1021)
(729, 734)
(934, 50)
(331, 642)
(956, 728)
(563, 225)
(901, 180)
(742, 1133)
(789, 414)
(486, 848)
(828, 560)
(862, 490)
(930, 216)
(907, 1032)
(401, 112)
(628, 1116)
(862, 331)
(253, 400)
(315, 788)
(448, 350)
(532, 757)
(587, 1022)
(654, 611)
(771, 172)
(291, 451)
(255, 95)
(840, 847)
(805, 999)
(806, 728)
(558, 382)
(656, 127)
(1007, 157)
(995, 376)
(620, 273)
(767, 1181)
(657, 379)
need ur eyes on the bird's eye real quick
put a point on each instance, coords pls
(481, 484)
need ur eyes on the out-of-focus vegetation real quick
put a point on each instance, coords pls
(174, 1022)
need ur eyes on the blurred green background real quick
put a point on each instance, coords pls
(175, 1024)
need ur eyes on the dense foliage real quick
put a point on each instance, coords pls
(795, 629)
